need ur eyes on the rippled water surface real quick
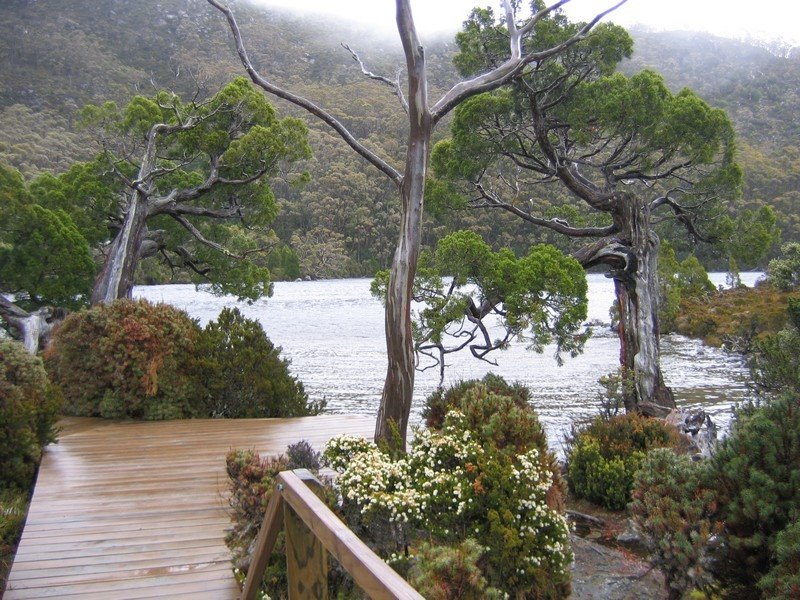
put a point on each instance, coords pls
(332, 331)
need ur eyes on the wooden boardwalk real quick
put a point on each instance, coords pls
(138, 510)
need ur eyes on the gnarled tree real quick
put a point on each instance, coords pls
(423, 117)
(624, 148)
(472, 298)
(190, 179)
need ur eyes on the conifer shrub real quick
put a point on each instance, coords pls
(756, 471)
(604, 455)
(29, 408)
(673, 504)
(775, 360)
(441, 401)
(451, 573)
(783, 580)
(242, 373)
(127, 359)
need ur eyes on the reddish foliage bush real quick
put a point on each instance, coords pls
(126, 359)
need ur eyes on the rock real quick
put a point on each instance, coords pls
(698, 427)
(602, 573)
(632, 536)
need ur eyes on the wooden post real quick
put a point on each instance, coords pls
(265, 542)
(306, 557)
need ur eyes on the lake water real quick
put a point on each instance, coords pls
(332, 331)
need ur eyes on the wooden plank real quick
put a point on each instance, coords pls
(138, 510)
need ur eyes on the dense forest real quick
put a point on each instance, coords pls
(55, 58)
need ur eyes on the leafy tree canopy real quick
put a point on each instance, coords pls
(476, 298)
(44, 258)
(200, 170)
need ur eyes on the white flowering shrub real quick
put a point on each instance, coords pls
(457, 484)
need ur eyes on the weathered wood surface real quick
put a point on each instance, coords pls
(138, 510)
(369, 572)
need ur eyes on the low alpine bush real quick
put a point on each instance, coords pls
(783, 580)
(604, 456)
(242, 373)
(126, 359)
(486, 475)
(29, 408)
(756, 472)
(673, 504)
(134, 359)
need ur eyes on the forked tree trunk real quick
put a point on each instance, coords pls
(637, 296)
(399, 385)
(116, 277)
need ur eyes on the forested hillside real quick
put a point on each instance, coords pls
(760, 91)
(55, 57)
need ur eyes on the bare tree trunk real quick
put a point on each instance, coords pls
(637, 296)
(116, 277)
(398, 388)
(32, 329)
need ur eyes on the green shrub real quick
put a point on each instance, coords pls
(783, 580)
(673, 503)
(756, 471)
(486, 475)
(784, 272)
(126, 359)
(440, 402)
(451, 573)
(604, 456)
(775, 362)
(243, 374)
(29, 408)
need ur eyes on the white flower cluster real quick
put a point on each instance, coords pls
(373, 480)
(439, 486)
(545, 532)
(341, 449)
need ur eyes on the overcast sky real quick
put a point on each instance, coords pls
(771, 19)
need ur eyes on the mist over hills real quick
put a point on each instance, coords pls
(57, 56)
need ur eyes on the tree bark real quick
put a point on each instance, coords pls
(398, 388)
(636, 288)
(115, 279)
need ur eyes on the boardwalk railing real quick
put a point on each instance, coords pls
(311, 530)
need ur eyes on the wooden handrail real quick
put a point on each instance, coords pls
(369, 572)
